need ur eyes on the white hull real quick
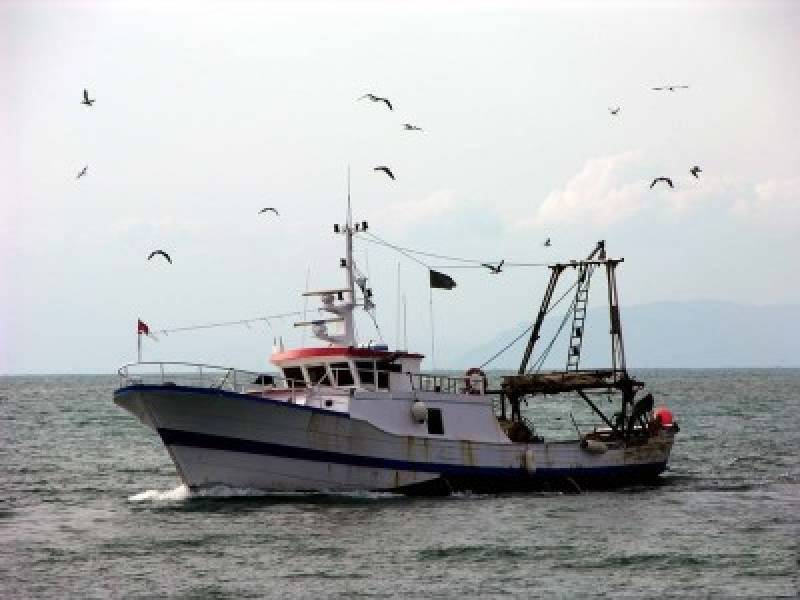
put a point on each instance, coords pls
(247, 441)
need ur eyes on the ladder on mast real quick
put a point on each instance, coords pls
(580, 306)
(579, 318)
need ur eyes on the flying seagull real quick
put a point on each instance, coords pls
(269, 208)
(613, 111)
(386, 170)
(410, 127)
(374, 98)
(671, 88)
(162, 253)
(667, 180)
(494, 270)
(86, 100)
(82, 172)
(695, 170)
(547, 243)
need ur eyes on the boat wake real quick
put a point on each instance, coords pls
(183, 493)
(178, 494)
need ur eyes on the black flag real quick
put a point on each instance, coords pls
(441, 281)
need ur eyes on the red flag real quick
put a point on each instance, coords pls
(142, 328)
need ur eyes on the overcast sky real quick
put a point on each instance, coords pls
(205, 113)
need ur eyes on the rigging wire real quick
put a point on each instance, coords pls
(265, 319)
(537, 366)
(472, 263)
(421, 253)
(514, 341)
(402, 251)
(529, 327)
(467, 263)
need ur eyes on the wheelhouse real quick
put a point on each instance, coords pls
(357, 368)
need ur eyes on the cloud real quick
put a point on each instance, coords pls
(606, 190)
(411, 212)
(612, 189)
(774, 203)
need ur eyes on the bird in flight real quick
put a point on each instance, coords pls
(410, 127)
(547, 243)
(162, 253)
(86, 100)
(667, 180)
(374, 98)
(695, 170)
(83, 172)
(386, 170)
(671, 88)
(613, 111)
(269, 208)
(494, 269)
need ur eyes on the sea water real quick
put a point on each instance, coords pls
(91, 507)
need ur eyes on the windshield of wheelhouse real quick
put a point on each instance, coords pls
(342, 375)
(294, 377)
(318, 375)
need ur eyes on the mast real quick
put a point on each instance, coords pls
(556, 270)
(349, 326)
(340, 302)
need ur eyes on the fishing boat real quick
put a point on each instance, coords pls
(339, 416)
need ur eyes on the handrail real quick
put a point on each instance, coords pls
(448, 384)
(242, 379)
(231, 378)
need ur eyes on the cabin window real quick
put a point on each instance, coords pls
(366, 371)
(384, 368)
(318, 375)
(342, 374)
(294, 376)
(435, 425)
(383, 380)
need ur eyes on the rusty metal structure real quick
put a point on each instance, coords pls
(530, 381)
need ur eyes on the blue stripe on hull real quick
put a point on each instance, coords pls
(174, 437)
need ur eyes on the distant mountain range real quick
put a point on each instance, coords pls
(703, 334)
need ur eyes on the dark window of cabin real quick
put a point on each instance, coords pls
(342, 374)
(264, 380)
(366, 371)
(385, 367)
(295, 376)
(435, 425)
(392, 367)
(317, 374)
(383, 380)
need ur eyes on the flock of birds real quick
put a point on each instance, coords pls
(494, 269)
(695, 170)
(161, 253)
(406, 126)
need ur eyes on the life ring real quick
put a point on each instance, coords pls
(471, 388)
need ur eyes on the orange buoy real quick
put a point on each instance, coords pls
(663, 416)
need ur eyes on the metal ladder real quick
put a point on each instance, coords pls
(579, 318)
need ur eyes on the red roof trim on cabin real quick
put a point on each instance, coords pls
(302, 353)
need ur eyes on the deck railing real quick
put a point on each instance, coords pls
(205, 376)
(446, 384)
(244, 381)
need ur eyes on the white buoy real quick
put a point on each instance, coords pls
(419, 411)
